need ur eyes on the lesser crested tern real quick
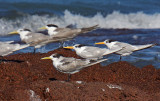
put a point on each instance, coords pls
(128, 48)
(91, 52)
(70, 65)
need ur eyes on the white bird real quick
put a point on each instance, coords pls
(70, 65)
(128, 48)
(68, 33)
(8, 48)
(91, 52)
(35, 39)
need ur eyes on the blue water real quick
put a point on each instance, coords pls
(131, 21)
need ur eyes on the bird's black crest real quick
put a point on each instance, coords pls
(80, 45)
(27, 30)
(110, 40)
(52, 25)
(56, 55)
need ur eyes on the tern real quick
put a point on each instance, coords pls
(8, 48)
(91, 52)
(128, 48)
(55, 31)
(35, 39)
(70, 65)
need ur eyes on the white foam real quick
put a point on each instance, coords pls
(116, 20)
(113, 20)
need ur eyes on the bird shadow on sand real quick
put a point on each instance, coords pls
(52, 79)
(18, 61)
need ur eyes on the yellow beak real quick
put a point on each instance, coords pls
(43, 28)
(69, 47)
(99, 43)
(46, 58)
(14, 32)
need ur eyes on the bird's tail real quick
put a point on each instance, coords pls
(84, 30)
(93, 62)
(22, 47)
(140, 47)
(8, 42)
(17, 48)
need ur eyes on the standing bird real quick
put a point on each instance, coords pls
(35, 39)
(68, 33)
(128, 48)
(8, 48)
(91, 52)
(70, 65)
(31, 38)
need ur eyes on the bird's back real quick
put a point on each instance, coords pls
(35, 38)
(67, 32)
(71, 65)
(92, 52)
(127, 48)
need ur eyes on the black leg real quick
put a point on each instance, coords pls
(69, 77)
(120, 58)
(61, 44)
(34, 50)
(1, 59)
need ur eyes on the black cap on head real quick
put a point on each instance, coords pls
(52, 25)
(79, 45)
(27, 30)
(109, 41)
(56, 55)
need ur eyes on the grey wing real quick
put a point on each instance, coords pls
(70, 65)
(67, 32)
(52, 39)
(93, 52)
(92, 63)
(140, 47)
(125, 46)
(37, 37)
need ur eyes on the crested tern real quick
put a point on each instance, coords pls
(35, 39)
(70, 65)
(68, 33)
(128, 48)
(91, 52)
(8, 48)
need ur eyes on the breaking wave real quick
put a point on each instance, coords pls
(115, 20)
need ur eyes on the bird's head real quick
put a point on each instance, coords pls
(21, 31)
(54, 57)
(76, 46)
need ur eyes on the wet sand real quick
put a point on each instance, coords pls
(30, 78)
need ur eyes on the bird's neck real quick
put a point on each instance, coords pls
(52, 31)
(57, 62)
(79, 50)
(24, 35)
(110, 45)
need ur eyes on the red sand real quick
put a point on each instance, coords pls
(35, 79)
